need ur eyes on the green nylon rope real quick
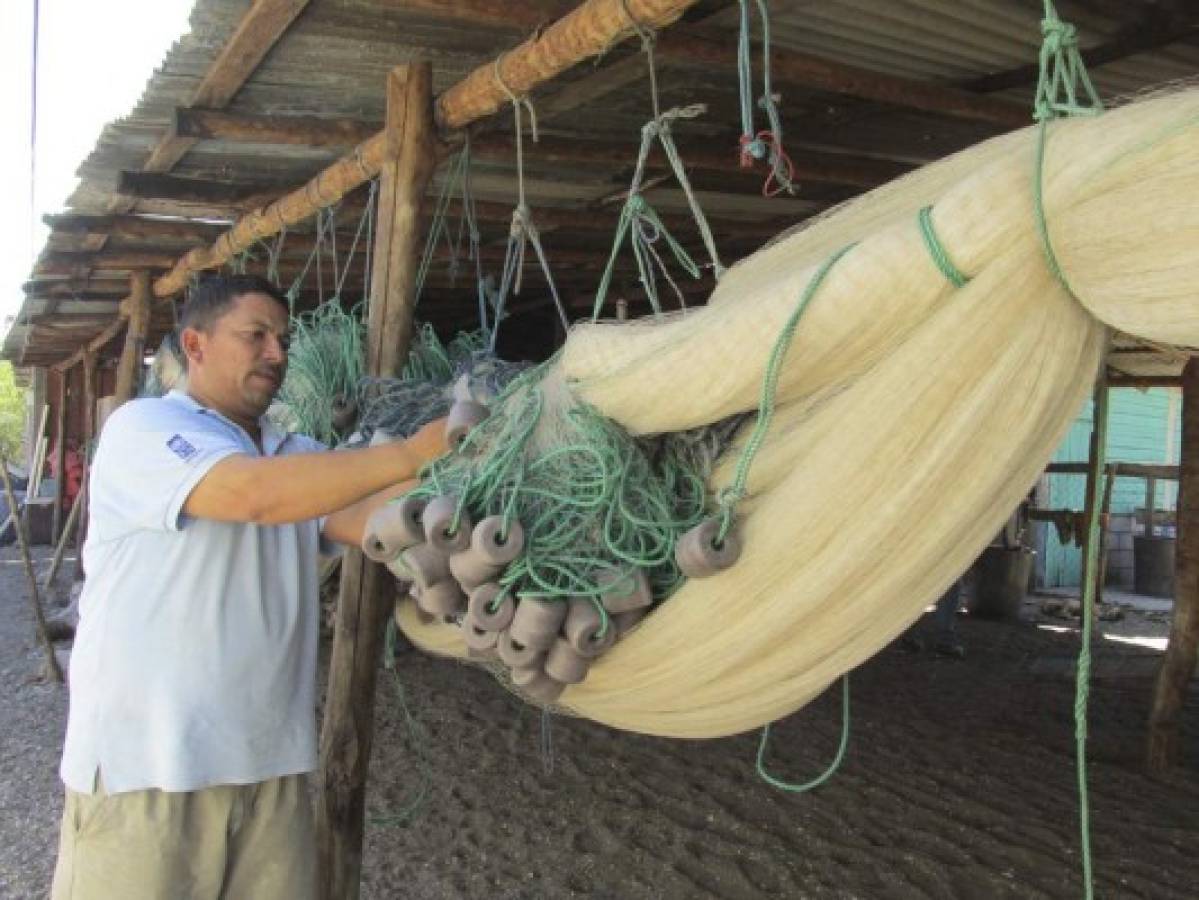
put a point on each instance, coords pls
(828, 773)
(937, 251)
(734, 492)
(326, 360)
(640, 222)
(1061, 75)
(593, 501)
(1082, 685)
(639, 219)
(408, 812)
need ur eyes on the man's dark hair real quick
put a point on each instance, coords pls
(210, 298)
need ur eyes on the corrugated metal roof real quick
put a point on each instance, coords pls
(333, 60)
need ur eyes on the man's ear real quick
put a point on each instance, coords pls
(191, 342)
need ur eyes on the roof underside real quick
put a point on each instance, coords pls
(332, 62)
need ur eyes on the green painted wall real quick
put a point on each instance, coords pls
(1143, 426)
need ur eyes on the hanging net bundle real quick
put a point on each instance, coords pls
(908, 364)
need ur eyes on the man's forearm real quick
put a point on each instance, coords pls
(298, 487)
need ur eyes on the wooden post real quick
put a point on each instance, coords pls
(1150, 500)
(1099, 411)
(1105, 508)
(367, 589)
(1178, 663)
(135, 309)
(64, 538)
(60, 454)
(89, 439)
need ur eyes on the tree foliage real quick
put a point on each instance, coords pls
(12, 413)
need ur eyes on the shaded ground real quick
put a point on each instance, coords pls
(959, 782)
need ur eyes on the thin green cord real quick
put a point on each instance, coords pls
(593, 501)
(833, 766)
(1062, 73)
(1082, 689)
(735, 491)
(937, 251)
(405, 815)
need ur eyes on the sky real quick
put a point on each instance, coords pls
(94, 59)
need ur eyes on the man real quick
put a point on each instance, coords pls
(192, 720)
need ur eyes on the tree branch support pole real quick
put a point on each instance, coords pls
(1178, 663)
(53, 672)
(135, 309)
(367, 589)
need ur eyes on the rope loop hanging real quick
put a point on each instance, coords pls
(455, 184)
(736, 491)
(644, 227)
(832, 767)
(767, 144)
(522, 231)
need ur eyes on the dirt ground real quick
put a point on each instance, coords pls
(959, 782)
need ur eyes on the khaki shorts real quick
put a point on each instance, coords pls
(228, 842)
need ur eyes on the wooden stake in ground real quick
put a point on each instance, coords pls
(367, 589)
(64, 539)
(53, 671)
(1178, 664)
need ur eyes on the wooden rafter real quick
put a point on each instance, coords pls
(1159, 29)
(258, 31)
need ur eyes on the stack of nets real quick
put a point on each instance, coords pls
(325, 364)
(328, 395)
(424, 390)
(913, 409)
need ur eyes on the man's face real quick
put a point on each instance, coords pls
(238, 365)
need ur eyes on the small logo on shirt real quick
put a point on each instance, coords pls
(181, 448)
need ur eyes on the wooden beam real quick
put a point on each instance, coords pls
(135, 227)
(1144, 381)
(590, 29)
(367, 588)
(96, 344)
(258, 31)
(789, 67)
(137, 312)
(518, 15)
(157, 186)
(1178, 663)
(304, 131)
(71, 264)
(1159, 29)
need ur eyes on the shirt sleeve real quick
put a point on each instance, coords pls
(149, 460)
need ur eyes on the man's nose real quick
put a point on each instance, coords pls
(274, 350)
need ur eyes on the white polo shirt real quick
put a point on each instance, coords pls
(195, 657)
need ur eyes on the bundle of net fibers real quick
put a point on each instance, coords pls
(424, 389)
(911, 414)
(326, 362)
(548, 532)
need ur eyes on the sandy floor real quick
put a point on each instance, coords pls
(959, 782)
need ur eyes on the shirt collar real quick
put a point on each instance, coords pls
(272, 436)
